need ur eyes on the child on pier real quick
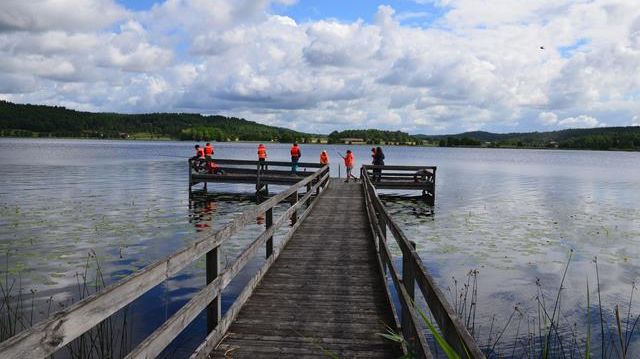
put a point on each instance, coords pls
(348, 163)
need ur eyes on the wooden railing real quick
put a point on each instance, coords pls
(405, 177)
(255, 170)
(50, 335)
(413, 271)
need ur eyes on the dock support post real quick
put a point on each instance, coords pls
(214, 308)
(308, 202)
(408, 280)
(268, 224)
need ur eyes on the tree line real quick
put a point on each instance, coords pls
(19, 120)
(372, 136)
(602, 138)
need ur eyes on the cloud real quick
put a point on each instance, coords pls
(478, 66)
(582, 121)
(61, 15)
(635, 120)
(548, 118)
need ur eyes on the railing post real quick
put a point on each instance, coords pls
(214, 308)
(268, 224)
(294, 215)
(190, 180)
(433, 191)
(258, 174)
(408, 281)
(308, 202)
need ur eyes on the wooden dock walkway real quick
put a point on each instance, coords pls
(323, 295)
(322, 290)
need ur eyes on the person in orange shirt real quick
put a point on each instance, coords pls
(208, 150)
(198, 159)
(262, 155)
(295, 156)
(324, 158)
(348, 163)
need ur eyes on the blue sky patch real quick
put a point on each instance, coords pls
(568, 51)
(407, 12)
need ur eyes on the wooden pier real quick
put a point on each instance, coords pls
(262, 174)
(324, 289)
(323, 294)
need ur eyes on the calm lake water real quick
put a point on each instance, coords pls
(513, 215)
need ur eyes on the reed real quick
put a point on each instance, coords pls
(547, 332)
(19, 311)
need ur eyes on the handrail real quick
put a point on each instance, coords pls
(400, 167)
(50, 335)
(414, 271)
(223, 161)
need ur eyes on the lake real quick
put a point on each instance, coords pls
(68, 206)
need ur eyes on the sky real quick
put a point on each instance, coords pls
(420, 66)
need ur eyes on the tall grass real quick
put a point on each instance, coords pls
(19, 310)
(550, 333)
(544, 331)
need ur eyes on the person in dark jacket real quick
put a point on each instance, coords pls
(378, 160)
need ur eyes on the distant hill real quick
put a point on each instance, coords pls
(19, 120)
(602, 138)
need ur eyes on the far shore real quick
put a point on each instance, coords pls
(167, 139)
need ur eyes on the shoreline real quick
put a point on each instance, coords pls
(360, 144)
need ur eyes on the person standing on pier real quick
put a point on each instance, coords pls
(378, 160)
(324, 158)
(208, 151)
(198, 159)
(295, 156)
(348, 163)
(262, 155)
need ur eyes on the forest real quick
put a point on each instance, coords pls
(17, 120)
(20, 120)
(601, 138)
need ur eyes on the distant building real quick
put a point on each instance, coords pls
(353, 141)
(318, 140)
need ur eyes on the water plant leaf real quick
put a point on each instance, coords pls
(446, 348)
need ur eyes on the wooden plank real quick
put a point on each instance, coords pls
(313, 292)
(252, 163)
(214, 337)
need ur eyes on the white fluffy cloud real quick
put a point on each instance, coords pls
(548, 118)
(498, 65)
(582, 121)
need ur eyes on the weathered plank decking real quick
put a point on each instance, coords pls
(325, 293)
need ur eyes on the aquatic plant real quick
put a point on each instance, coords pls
(19, 311)
(548, 332)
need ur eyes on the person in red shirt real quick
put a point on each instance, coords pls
(348, 163)
(262, 155)
(208, 150)
(324, 158)
(295, 156)
(198, 159)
